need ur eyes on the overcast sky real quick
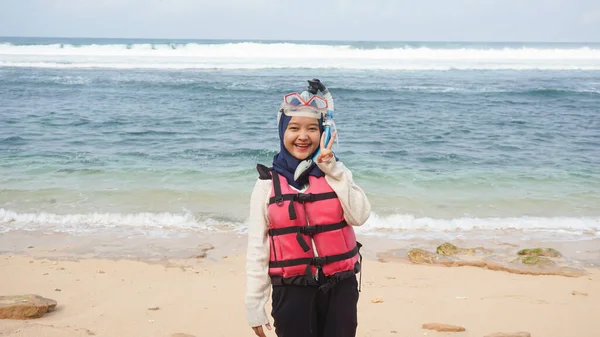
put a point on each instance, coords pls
(395, 20)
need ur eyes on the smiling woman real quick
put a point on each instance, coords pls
(301, 239)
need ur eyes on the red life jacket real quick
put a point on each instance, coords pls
(296, 218)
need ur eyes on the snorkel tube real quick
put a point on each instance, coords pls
(304, 167)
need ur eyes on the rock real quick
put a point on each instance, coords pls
(443, 327)
(536, 261)
(420, 256)
(447, 249)
(153, 308)
(25, 306)
(568, 272)
(575, 293)
(545, 266)
(377, 300)
(57, 289)
(205, 247)
(547, 252)
(473, 251)
(510, 334)
(100, 272)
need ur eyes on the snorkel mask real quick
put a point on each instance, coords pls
(305, 105)
(302, 105)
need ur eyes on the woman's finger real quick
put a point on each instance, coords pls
(331, 141)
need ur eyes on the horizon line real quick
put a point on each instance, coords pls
(290, 40)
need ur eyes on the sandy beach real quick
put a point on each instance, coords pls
(102, 294)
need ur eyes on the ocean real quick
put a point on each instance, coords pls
(162, 137)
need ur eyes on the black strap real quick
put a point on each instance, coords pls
(315, 261)
(302, 242)
(292, 211)
(264, 173)
(308, 230)
(278, 198)
(299, 197)
(358, 244)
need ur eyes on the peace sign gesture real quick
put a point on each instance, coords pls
(325, 153)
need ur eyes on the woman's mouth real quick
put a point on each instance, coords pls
(302, 147)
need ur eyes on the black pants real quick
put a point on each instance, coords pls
(297, 310)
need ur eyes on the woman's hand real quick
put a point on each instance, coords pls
(258, 330)
(325, 155)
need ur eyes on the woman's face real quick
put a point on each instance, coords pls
(302, 137)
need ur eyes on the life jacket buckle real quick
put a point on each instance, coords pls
(309, 230)
(279, 200)
(302, 197)
(318, 261)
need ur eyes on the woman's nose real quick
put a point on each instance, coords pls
(303, 134)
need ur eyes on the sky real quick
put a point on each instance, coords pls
(356, 20)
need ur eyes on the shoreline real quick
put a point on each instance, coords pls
(158, 246)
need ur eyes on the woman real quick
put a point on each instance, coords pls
(300, 236)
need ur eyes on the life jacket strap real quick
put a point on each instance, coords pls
(301, 197)
(298, 197)
(308, 230)
(318, 261)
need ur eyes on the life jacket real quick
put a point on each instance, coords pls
(297, 220)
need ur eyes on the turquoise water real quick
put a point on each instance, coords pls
(166, 134)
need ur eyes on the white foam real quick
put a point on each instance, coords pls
(249, 55)
(400, 222)
(86, 223)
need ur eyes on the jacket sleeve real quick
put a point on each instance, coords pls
(355, 203)
(258, 283)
